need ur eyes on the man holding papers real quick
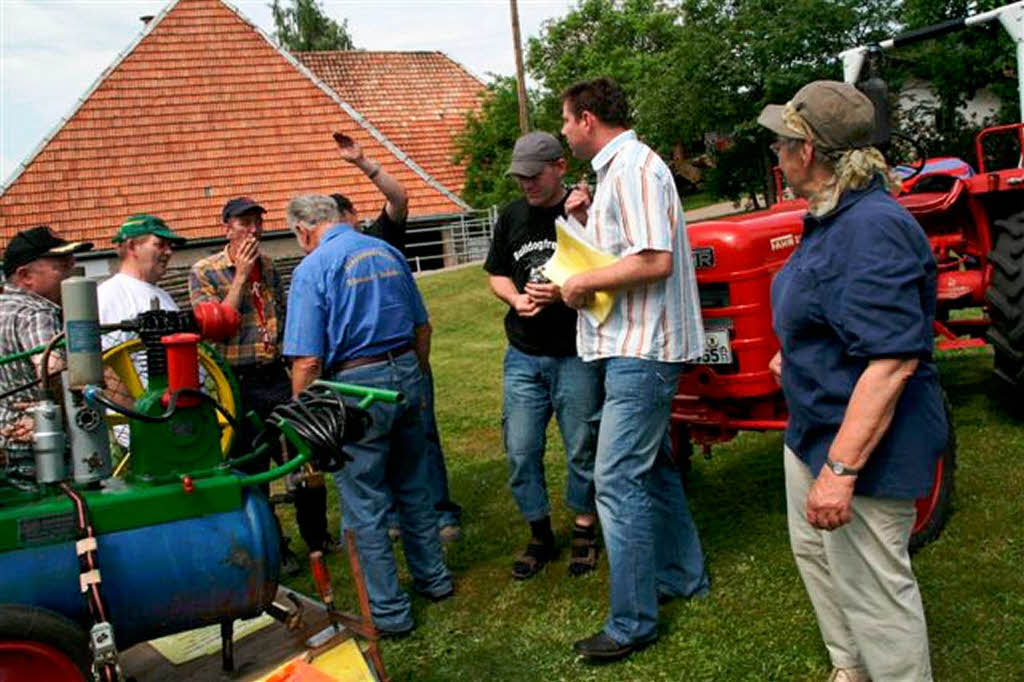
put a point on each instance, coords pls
(543, 374)
(654, 326)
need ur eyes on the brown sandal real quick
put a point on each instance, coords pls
(583, 557)
(530, 562)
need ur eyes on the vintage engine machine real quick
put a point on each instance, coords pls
(182, 539)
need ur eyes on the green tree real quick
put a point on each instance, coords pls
(485, 145)
(955, 68)
(303, 27)
(693, 67)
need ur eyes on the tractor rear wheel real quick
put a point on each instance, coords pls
(1006, 300)
(935, 508)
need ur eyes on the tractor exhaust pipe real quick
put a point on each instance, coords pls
(1010, 16)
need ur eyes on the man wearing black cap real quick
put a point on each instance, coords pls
(144, 245)
(542, 373)
(36, 261)
(248, 281)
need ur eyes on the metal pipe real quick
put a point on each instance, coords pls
(283, 470)
(367, 394)
(1010, 16)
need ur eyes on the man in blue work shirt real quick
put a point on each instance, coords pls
(356, 316)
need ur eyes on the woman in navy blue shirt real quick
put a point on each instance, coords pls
(853, 311)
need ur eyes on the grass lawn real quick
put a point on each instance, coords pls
(757, 624)
(699, 200)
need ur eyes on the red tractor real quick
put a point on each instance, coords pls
(974, 219)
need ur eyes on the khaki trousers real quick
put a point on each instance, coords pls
(860, 582)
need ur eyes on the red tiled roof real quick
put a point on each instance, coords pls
(419, 100)
(202, 109)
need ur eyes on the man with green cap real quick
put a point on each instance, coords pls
(144, 248)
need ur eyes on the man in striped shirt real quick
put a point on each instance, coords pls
(654, 327)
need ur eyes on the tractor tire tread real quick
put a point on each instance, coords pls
(1012, 225)
(1002, 345)
(1005, 297)
(1013, 288)
(1005, 265)
(1003, 307)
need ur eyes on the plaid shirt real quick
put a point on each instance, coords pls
(26, 321)
(210, 280)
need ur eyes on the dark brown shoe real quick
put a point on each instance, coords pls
(603, 648)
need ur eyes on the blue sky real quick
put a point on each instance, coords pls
(51, 51)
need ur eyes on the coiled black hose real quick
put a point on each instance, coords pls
(321, 418)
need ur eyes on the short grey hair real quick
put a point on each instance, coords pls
(311, 210)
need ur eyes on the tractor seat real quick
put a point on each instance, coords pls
(921, 204)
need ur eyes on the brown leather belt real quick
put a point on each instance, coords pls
(369, 359)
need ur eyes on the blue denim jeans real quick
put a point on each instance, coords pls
(448, 512)
(390, 463)
(537, 386)
(649, 535)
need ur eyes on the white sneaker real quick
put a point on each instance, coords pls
(858, 674)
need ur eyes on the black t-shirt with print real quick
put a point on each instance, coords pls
(524, 239)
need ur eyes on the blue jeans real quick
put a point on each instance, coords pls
(649, 535)
(448, 512)
(537, 386)
(390, 463)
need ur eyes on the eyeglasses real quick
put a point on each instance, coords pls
(777, 146)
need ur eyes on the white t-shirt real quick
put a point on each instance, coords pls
(123, 297)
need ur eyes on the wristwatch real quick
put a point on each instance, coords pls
(840, 469)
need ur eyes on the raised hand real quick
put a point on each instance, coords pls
(577, 204)
(246, 256)
(349, 148)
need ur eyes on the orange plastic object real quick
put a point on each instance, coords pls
(182, 367)
(299, 671)
(216, 321)
(321, 578)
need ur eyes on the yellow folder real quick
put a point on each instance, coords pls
(574, 255)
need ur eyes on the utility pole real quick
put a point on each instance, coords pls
(524, 123)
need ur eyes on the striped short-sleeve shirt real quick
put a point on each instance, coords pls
(636, 208)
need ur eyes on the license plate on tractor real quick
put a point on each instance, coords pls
(716, 348)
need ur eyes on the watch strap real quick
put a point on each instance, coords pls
(840, 469)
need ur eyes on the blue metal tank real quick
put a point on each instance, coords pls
(160, 579)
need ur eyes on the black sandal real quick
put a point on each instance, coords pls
(583, 557)
(530, 562)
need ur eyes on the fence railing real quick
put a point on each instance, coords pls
(466, 239)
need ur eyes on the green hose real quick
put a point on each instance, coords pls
(27, 353)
